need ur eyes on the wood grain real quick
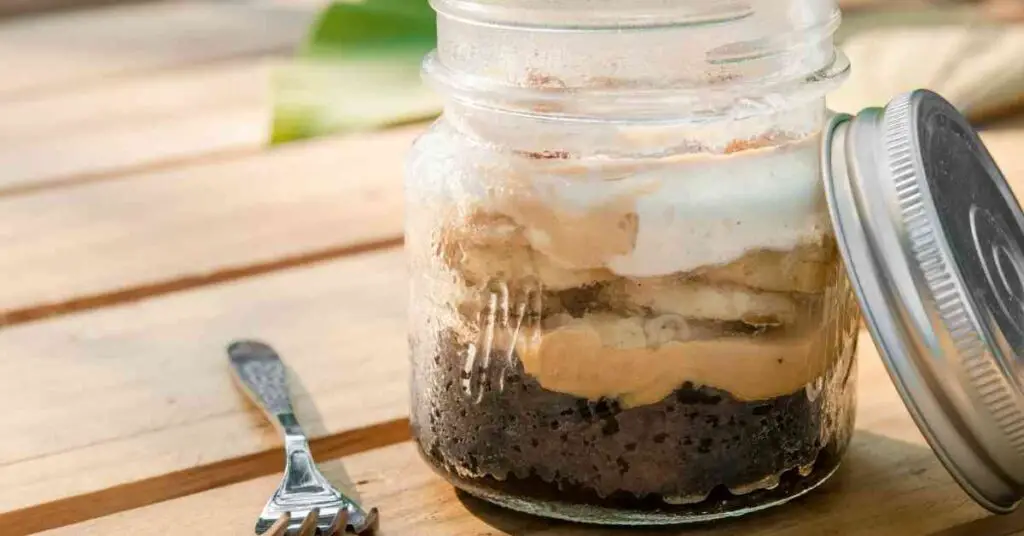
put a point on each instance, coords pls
(193, 223)
(63, 52)
(129, 88)
(133, 100)
(137, 236)
(134, 123)
(135, 404)
(21, 7)
(977, 67)
(890, 483)
(63, 160)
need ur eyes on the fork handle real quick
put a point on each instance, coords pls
(260, 371)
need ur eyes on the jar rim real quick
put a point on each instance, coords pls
(594, 14)
(632, 104)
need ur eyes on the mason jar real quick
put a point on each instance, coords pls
(627, 302)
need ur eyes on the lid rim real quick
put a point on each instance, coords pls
(846, 159)
(933, 266)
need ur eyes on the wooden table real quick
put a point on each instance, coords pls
(144, 224)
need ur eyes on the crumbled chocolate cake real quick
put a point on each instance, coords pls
(511, 436)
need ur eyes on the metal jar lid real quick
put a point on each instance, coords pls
(933, 240)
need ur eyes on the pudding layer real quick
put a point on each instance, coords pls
(640, 361)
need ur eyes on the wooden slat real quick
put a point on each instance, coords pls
(196, 90)
(74, 247)
(987, 87)
(62, 51)
(153, 97)
(890, 483)
(134, 123)
(137, 148)
(138, 235)
(1005, 145)
(21, 7)
(130, 405)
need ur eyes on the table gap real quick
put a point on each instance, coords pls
(150, 290)
(193, 480)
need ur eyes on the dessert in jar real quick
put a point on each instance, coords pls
(627, 301)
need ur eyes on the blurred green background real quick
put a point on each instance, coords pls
(359, 68)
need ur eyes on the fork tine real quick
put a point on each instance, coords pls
(337, 524)
(279, 527)
(308, 526)
(370, 523)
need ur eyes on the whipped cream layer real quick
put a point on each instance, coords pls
(659, 216)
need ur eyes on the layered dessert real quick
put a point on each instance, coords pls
(661, 334)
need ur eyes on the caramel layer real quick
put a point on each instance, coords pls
(605, 356)
(489, 247)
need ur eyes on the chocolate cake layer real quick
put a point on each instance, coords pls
(499, 429)
(537, 496)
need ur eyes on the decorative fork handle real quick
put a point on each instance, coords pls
(260, 370)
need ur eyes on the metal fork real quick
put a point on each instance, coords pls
(305, 502)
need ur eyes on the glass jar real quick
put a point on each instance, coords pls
(627, 302)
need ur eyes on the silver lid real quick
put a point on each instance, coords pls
(932, 238)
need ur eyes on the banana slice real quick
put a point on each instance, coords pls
(693, 300)
(805, 269)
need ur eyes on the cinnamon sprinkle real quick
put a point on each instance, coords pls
(546, 155)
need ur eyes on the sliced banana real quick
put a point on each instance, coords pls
(695, 300)
(666, 328)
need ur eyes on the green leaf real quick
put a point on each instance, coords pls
(359, 70)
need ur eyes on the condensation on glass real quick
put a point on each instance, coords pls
(627, 302)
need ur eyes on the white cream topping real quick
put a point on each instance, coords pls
(693, 210)
(710, 211)
(650, 216)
